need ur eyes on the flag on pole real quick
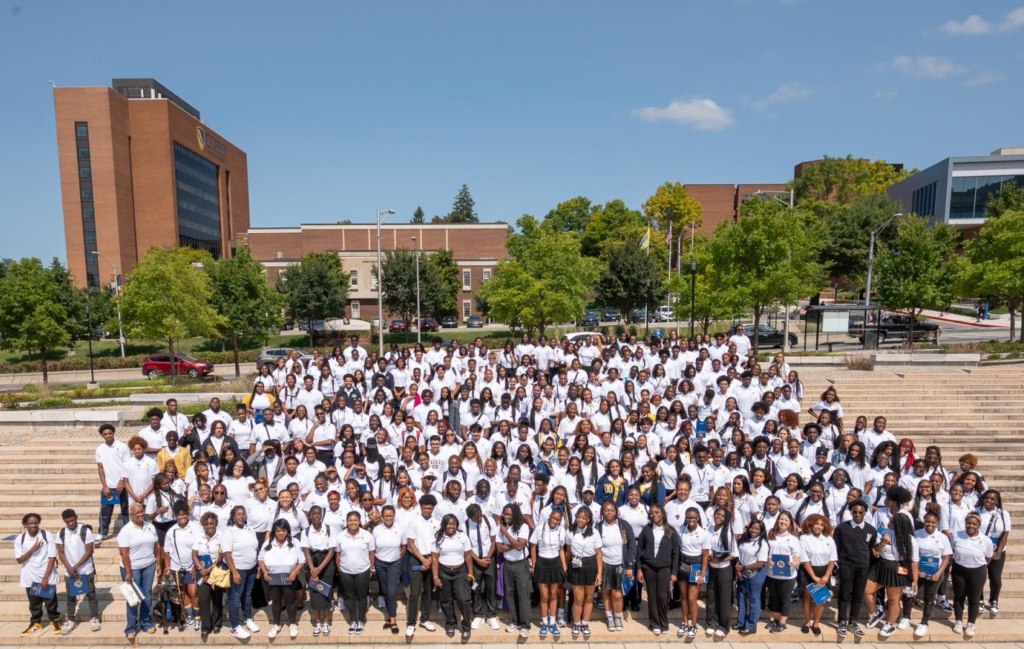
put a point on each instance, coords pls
(645, 242)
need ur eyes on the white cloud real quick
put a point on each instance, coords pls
(786, 92)
(983, 79)
(701, 114)
(973, 26)
(885, 95)
(929, 67)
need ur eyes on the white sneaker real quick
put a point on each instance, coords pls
(95, 623)
(656, 631)
(524, 632)
(969, 631)
(410, 630)
(316, 629)
(240, 633)
(493, 623)
(68, 627)
(429, 626)
(274, 630)
(903, 624)
(958, 627)
(887, 631)
(708, 631)
(475, 624)
(511, 628)
(921, 631)
(719, 633)
(251, 626)
(293, 630)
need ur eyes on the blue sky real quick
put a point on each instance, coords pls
(346, 107)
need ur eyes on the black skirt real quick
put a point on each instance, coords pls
(611, 577)
(805, 579)
(585, 574)
(549, 571)
(886, 573)
(685, 562)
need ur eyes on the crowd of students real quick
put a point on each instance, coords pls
(546, 476)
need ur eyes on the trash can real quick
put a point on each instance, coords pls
(871, 339)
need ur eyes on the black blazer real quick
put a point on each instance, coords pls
(668, 551)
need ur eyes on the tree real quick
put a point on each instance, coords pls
(1009, 198)
(462, 209)
(672, 209)
(32, 316)
(710, 305)
(167, 297)
(250, 309)
(417, 216)
(769, 256)
(915, 270)
(315, 289)
(446, 282)
(544, 279)
(572, 215)
(631, 278)
(609, 223)
(995, 261)
(844, 180)
(847, 230)
(398, 283)
(440, 283)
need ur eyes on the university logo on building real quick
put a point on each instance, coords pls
(201, 137)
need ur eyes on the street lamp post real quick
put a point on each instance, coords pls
(419, 338)
(117, 297)
(871, 257)
(88, 321)
(380, 285)
(693, 291)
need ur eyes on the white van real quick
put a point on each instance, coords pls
(663, 314)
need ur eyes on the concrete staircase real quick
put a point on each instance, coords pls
(981, 411)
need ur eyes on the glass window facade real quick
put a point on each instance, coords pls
(924, 200)
(970, 194)
(92, 270)
(197, 186)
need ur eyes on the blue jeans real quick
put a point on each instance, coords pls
(140, 617)
(748, 599)
(240, 597)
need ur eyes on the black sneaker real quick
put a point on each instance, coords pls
(778, 628)
(842, 629)
(772, 623)
(875, 619)
(450, 632)
(857, 631)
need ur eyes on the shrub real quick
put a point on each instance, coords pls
(47, 403)
(857, 362)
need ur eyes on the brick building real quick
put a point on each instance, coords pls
(476, 247)
(138, 169)
(722, 202)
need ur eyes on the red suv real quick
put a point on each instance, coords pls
(158, 364)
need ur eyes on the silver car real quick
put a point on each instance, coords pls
(270, 355)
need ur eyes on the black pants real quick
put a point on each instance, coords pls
(420, 581)
(211, 606)
(36, 604)
(995, 577)
(968, 586)
(107, 511)
(356, 589)
(719, 597)
(283, 597)
(852, 580)
(389, 575)
(485, 603)
(455, 593)
(518, 586)
(780, 592)
(659, 583)
(926, 590)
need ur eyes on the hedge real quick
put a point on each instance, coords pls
(81, 362)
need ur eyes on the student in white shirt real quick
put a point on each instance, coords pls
(281, 558)
(389, 540)
(177, 548)
(995, 524)
(36, 552)
(111, 457)
(752, 551)
(481, 530)
(721, 546)
(75, 546)
(972, 552)
(317, 543)
(205, 554)
(585, 548)
(932, 544)
(136, 544)
(896, 568)
(819, 555)
(452, 566)
(420, 540)
(549, 559)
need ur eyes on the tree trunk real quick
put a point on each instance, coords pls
(910, 328)
(174, 362)
(1012, 305)
(46, 374)
(757, 326)
(238, 368)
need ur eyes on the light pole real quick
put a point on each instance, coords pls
(380, 285)
(117, 297)
(88, 320)
(693, 291)
(418, 330)
(871, 258)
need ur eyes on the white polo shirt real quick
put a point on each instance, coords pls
(74, 548)
(389, 542)
(354, 551)
(451, 550)
(113, 458)
(34, 567)
(281, 559)
(178, 544)
(140, 542)
(242, 544)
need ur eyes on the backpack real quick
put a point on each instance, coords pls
(82, 527)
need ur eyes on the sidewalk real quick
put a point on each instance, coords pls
(995, 321)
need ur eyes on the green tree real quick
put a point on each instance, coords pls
(609, 223)
(446, 282)
(543, 281)
(32, 315)
(768, 257)
(671, 208)
(709, 305)
(462, 209)
(844, 180)
(417, 216)
(915, 270)
(167, 297)
(995, 262)
(572, 215)
(249, 307)
(398, 283)
(631, 278)
(315, 289)
(1009, 198)
(847, 230)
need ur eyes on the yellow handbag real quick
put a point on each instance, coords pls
(219, 577)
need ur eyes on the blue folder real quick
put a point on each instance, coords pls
(78, 586)
(695, 569)
(781, 567)
(115, 498)
(819, 594)
(42, 592)
(320, 586)
(627, 585)
(929, 565)
(279, 579)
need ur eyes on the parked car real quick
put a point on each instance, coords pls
(639, 315)
(896, 326)
(270, 355)
(589, 320)
(767, 336)
(579, 337)
(449, 322)
(665, 313)
(427, 323)
(475, 322)
(611, 314)
(318, 325)
(160, 364)
(397, 325)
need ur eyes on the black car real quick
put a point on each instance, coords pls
(895, 326)
(449, 322)
(475, 322)
(589, 320)
(611, 314)
(639, 315)
(766, 336)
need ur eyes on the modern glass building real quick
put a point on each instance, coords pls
(956, 190)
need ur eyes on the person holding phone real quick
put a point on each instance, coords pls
(280, 562)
